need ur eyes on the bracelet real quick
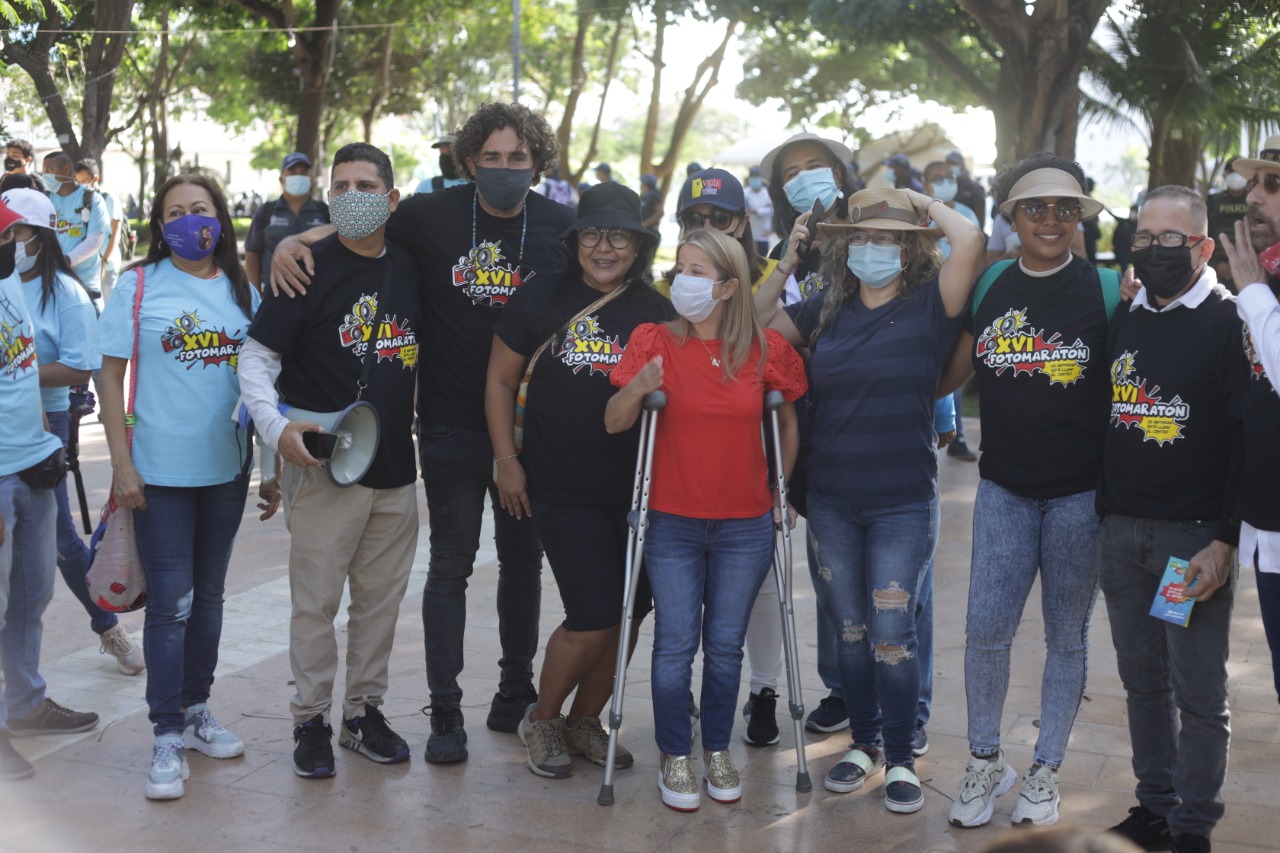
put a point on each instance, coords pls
(505, 458)
(785, 273)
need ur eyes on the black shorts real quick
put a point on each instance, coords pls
(586, 547)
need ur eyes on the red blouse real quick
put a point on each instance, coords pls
(708, 459)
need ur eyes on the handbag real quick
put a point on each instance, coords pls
(117, 582)
(522, 393)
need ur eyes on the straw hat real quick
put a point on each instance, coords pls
(841, 152)
(886, 208)
(1268, 158)
(1050, 183)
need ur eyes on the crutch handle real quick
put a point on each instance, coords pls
(655, 401)
(773, 401)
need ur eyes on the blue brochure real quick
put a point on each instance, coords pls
(1171, 603)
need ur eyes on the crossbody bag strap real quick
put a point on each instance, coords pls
(593, 307)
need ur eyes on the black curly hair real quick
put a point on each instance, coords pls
(1011, 174)
(532, 129)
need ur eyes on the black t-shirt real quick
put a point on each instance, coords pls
(465, 283)
(1177, 398)
(1259, 504)
(569, 458)
(1224, 210)
(323, 339)
(650, 202)
(1040, 357)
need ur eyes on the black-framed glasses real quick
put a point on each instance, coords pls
(862, 238)
(1168, 239)
(619, 238)
(1270, 182)
(1064, 211)
(721, 220)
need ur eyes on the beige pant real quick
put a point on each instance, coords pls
(363, 536)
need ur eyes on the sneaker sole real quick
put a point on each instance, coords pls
(453, 757)
(21, 774)
(171, 791)
(129, 670)
(192, 741)
(1006, 782)
(318, 773)
(1030, 821)
(621, 760)
(13, 733)
(355, 745)
(547, 773)
(904, 808)
(921, 751)
(677, 801)
(818, 728)
(724, 796)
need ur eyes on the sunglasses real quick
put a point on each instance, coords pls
(721, 220)
(619, 238)
(1270, 182)
(1064, 211)
(862, 238)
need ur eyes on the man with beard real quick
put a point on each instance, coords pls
(475, 245)
(1254, 256)
(1170, 466)
(448, 176)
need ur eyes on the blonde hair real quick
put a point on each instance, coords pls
(739, 328)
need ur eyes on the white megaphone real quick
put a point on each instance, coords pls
(355, 432)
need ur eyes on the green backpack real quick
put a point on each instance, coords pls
(1108, 280)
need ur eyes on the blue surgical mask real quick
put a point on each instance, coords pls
(944, 189)
(875, 266)
(891, 176)
(812, 185)
(955, 171)
(297, 184)
(755, 182)
(52, 182)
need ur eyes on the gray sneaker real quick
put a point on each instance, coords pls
(589, 739)
(984, 780)
(203, 733)
(544, 739)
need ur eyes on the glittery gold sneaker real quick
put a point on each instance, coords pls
(678, 783)
(723, 783)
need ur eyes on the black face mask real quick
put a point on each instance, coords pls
(6, 258)
(447, 167)
(10, 164)
(1164, 271)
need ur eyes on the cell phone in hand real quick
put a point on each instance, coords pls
(816, 214)
(321, 445)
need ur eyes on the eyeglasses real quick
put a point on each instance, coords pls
(862, 238)
(619, 238)
(1063, 211)
(1168, 239)
(1270, 182)
(721, 220)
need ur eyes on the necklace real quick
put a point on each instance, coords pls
(715, 362)
(524, 226)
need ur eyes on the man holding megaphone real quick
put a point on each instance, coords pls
(329, 382)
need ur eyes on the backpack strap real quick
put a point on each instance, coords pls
(989, 277)
(1109, 281)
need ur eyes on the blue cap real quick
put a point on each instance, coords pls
(604, 167)
(715, 187)
(649, 180)
(899, 160)
(295, 159)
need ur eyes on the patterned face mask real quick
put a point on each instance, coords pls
(358, 214)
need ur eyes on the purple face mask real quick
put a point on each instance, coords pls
(192, 237)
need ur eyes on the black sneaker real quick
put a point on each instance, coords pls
(506, 711)
(12, 764)
(50, 718)
(919, 740)
(1187, 843)
(959, 450)
(760, 713)
(830, 716)
(372, 737)
(313, 752)
(1145, 828)
(448, 741)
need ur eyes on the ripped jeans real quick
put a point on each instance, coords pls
(866, 577)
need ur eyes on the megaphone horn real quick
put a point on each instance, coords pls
(357, 428)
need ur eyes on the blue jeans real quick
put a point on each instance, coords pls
(1175, 678)
(185, 536)
(457, 472)
(73, 555)
(705, 576)
(1014, 539)
(867, 577)
(26, 587)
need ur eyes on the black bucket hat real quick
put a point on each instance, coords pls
(610, 205)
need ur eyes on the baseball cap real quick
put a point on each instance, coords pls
(754, 170)
(649, 180)
(7, 217)
(31, 207)
(447, 139)
(605, 167)
(899, 160)
(297, 158)
(715, 187)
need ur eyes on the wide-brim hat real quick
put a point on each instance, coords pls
(1268, 158)
(31, 207)
(715, 187)
(610, 205)
(885, 208)
(840, 150)
(1050, 183)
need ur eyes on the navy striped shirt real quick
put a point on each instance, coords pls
(873, 377)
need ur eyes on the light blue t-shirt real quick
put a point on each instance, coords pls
(65, 331)
(115, 212)
(424, 186)
(944, 245)
(74, 223)
(23, 441)
(191, 334)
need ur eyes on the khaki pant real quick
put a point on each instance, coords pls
(363, 536)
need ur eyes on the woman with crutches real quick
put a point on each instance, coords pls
(710, 536)
(880, 334)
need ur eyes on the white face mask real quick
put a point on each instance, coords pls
(22, 262)
(944, 189)
(692, 297)
(1236, 182)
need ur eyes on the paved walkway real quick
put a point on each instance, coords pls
(87, 791)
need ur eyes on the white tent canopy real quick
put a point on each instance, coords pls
(749, 152)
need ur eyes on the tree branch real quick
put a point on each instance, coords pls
(960, 69)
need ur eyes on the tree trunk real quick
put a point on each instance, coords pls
(610, 65)
(564, 133)
(33, 58)
(1179, 156)
(103, 58)
(655, 92)
(370, 116)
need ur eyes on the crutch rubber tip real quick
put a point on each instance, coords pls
(606, 795)
(803, 784)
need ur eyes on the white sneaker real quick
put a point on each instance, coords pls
(128, 654)
(168, 769)
(203, 733)
(984, 780)
(1038, 802)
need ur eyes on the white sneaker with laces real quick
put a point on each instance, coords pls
(128, 654)
(984, 780)
(168, 769)
(1038, 802)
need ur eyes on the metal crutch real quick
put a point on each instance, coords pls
(652, 405)
(782, 577)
